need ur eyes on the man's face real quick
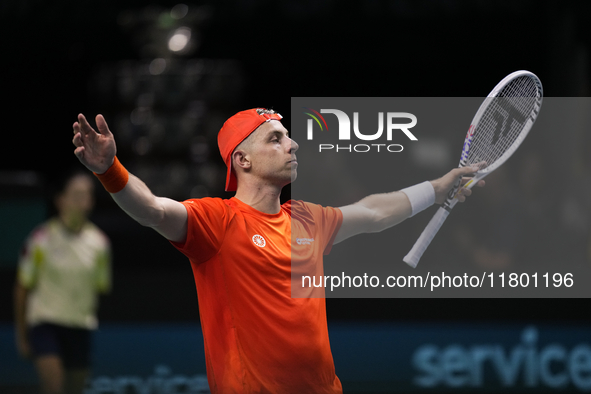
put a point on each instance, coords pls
(272, 153)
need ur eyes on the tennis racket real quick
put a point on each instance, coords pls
(498, 128)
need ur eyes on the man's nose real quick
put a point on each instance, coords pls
(294, 146)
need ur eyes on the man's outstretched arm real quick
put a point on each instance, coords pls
(96, 150)
(378, 212)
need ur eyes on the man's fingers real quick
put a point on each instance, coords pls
(460, 171)
(77, 140)
(466, 179)
(465, 192)
(85, 127)
(462, 194)
(102, 126)
(79, 152)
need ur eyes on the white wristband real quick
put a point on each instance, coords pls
(421, 196)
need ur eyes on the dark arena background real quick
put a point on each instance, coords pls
(166, 75)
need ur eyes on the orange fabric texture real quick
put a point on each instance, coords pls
(115, 178)
(258, 339)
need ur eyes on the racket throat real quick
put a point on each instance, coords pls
(448, 206)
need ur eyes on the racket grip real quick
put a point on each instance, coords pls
(413, 257)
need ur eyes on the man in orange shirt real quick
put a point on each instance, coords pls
(258, 339)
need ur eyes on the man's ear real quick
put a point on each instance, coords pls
(241, 159)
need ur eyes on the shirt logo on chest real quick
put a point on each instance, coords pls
(259, 240)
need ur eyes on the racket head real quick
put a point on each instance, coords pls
(500, 125)
(503, 121)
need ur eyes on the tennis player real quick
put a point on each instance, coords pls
(258, 339)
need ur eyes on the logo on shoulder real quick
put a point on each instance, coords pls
(259, 240)
(304, 241)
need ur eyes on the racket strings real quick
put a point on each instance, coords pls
(503, 120)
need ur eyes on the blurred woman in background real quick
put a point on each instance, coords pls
(63, 266)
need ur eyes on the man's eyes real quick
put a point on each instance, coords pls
(276, 138)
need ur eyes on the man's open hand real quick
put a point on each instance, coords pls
(95, 150)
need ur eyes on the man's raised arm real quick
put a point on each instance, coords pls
(97, 150)
(378, 212)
